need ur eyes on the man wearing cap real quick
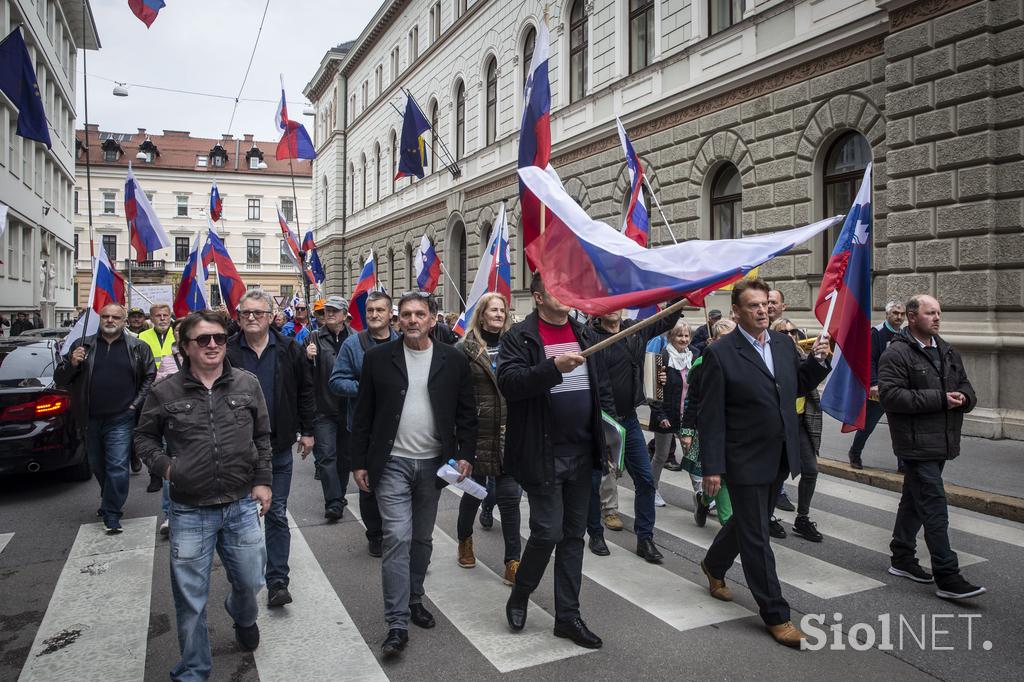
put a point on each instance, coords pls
(299, 321)
(701, 336)
(137, 321)
(330, 445)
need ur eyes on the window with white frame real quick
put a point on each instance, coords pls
(491, 100)
(641, 34)
(723, 13)
(578, 51)
(253, 205)
(414, 44)
(109, 203)
(181, 206)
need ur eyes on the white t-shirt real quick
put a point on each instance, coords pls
(417, 432)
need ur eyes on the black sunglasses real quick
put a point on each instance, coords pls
(793, 332)
(204, 339)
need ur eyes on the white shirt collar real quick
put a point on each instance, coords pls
(933, 343)
(754, 340)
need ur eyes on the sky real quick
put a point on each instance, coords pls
(204, 46)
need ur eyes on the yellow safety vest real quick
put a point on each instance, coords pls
(150, 337)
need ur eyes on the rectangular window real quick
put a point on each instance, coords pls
(109, 203)
(723, 13)
(110, 246)
(378, 81)
(254, 209)
(254, 162)
(435, 22)
(110, 155)
(366, 94)
(76, 246)
(201, 161)
(181, 249)
(215, 299)
(287, 291)
(641, 34)
(182, 207)
(288, 209)
(13, 237)
(218, 161)
(414, 44)
(252, 251)
(76, 201)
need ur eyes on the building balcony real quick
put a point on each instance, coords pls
(147, 267)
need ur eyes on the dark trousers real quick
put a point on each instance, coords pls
(745, 534)
(594, 527)
(808, 472)
(507, 494)
(368, 509)
(871, 416)
(924, 504)
(558, 518)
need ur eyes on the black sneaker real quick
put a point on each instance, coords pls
(278, 596)
(112, 529)
(700, 510)
(136, 463)
(782, 503)
(486, 517)
(958, 588)
(155, 485)
(248, 638)
(913, 572)
(395, 643)
(775, 529)
(807, 529)
(334, 514)
(375, 547)
(855, 462)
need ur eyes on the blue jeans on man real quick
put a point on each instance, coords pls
(638, 465)
(108, 447)
(234, 531)
(325, 453)
(279, 537)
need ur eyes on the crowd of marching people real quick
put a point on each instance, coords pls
(548, 407)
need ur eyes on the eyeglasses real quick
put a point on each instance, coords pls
(318, 312)
(793, 332)
(203, 340)
(301, 307)
(253, 314)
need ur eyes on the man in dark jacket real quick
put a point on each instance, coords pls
(749, 436)
(21, 324)
(109, 375)
(287, 384)
(703, 333)
(925, 392)
(881, 337)
(553, 442)
(415, 410)
(331, 447)
(205, 429)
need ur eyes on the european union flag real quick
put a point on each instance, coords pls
(412, 151)
(18, 82)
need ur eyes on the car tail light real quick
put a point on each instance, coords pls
(46, 405)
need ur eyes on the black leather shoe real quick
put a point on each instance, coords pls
(420, 617)
(394, 643)
(807, 529)
(334, 514)
(775, 529)
(515, 610)
(578, 632)
(248, 638)
(783, 503)
(700, 510)
(136, 463)
(598, 546)
(156, 484)
(376, 547)
(645, 549)
(855, 462)
(278, 596)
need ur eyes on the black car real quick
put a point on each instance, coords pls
(37, 429)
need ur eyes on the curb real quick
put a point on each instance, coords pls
(993, 504)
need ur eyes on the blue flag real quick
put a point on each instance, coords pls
(18, 82)
(412, 151)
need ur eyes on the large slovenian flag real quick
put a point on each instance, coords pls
(848, 280)
(190, 294)
(316, 268)
(231, 284)
(295, 142)
(147, 234)
(216, 205)
(108, 286)
(357, 304)
(494, 273)
(595, 268)
(146, 10)
(637, 224)
(428, 266)
(291, 248)
(535, 138)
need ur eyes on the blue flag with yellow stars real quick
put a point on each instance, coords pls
(18, 82)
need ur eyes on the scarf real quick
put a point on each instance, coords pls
(680, 360)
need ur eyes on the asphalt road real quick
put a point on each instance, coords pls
(78, 605)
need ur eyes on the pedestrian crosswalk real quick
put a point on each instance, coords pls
(4, 539)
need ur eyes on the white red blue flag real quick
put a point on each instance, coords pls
(357, 303)
(316, 268)
(535, 137)
(592, 267)
(291, 248)
(428, 266)
(147, 234)
(847, 285)
(231, 284)
(192, 286)
(108, 286)
(494, 273)
(637, 224)
(295, 142)
(216, 205)
(146, 10)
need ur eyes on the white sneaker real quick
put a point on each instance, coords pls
(165, 528)
(659, 501)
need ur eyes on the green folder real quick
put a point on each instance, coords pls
(615, 439)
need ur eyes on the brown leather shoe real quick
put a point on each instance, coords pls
(719, 590)
(466, 558)
(612, 521)
(787, 634)
(511, 566)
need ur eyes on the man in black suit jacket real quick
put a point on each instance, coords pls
(749, 436)
(415, 410)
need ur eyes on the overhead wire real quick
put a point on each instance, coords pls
(187, 92)
(252, 56)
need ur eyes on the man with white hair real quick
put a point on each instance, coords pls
(109, 375)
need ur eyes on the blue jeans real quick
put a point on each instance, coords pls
(279, 538)
(234, 530)
(638, 465)
(325, 453)
(165, 499)
(108, 446)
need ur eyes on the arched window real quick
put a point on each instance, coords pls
(456, 249)
(485, 234)
(408, 267)
(727, 204)
(393, 169)
(491, 107)
(325, 199)
(460, 120)
(843, 171)
(433, 138)
(529, 44)
(365, 173)
(352, 188)
(376, 170)
(641, 34)
(578, 42)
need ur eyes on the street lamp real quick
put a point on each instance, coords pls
(120, 90)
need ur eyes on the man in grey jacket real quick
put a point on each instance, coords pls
(206, 430)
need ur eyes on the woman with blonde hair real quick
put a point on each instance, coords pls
(665, 413)
(487, 324)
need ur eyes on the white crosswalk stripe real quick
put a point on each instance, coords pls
(803, 571)
(313, 638)
(4, 539)
(100, 605)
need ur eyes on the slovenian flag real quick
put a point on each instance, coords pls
(147, 234)
(291, 248)
(146, 10)
(295, 142)
(231, 284)
(494, 273)
(847, 282)
(637, 224)
(535, 137)
(108, 286)
(428, 266)
(357, 304)
(216, 205)
(190, 294)
(316, 268)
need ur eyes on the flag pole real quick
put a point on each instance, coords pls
(658, 204)
(633, 329)
(88, 168)
(454, 285)
(451, 164)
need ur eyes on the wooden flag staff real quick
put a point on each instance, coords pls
(633, 329)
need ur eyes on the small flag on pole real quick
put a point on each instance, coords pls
(428, 266)
(357, 304)
(295, 142)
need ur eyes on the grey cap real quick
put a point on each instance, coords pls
(715, 313)
(336, 302)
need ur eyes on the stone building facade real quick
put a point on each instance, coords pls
(753, 123)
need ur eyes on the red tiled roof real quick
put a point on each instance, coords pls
(178, 151)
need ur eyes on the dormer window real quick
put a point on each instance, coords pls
(111, 150)
(255, 158)
(148, 151)
(218, 157)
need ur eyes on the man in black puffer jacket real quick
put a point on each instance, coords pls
(925, 392)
